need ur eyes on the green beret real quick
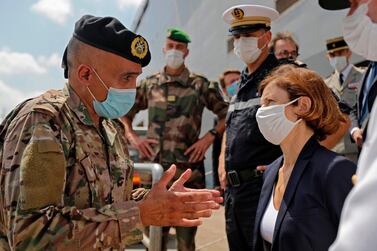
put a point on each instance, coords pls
(178, 35)
(109, 34)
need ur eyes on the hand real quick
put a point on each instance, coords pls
(261, 168)
(143, 145)
(178, 206)
(357, 136)
(139, 193)
(221, 171)
(199, 149)
(178, 186)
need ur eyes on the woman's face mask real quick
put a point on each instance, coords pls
(360, 33)
(273, 123)
(117, 103)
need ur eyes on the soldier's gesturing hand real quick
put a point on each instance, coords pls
(178, 206)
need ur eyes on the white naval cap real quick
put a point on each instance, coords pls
(247, 17)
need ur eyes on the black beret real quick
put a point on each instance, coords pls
(334, 4)
(109, 34)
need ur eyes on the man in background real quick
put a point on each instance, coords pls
(229, 81)
(283, 45)
(175, 98)
(345, 82)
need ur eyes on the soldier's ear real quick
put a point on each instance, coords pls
(186, 54)
(84, 74)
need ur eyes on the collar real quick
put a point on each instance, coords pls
(81, 111)
(182, 78)
(346, 71)
(268, 64)
(77, 106)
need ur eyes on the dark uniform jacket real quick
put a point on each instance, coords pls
(356, 113)
(309, 213)
(245, 145)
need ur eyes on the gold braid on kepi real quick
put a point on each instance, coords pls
(248, 18)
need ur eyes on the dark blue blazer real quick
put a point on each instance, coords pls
(309, 214)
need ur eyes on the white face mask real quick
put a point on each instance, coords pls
(174, 58)
(246, 48)
(360, 33)
(338, 63)
(273, 123)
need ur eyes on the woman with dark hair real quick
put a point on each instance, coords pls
(303, 190)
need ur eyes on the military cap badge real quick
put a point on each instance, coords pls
(238, 13)
(139, 47)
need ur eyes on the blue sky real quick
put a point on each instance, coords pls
(33, 36)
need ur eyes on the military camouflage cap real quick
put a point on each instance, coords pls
(109, 34)
(178, 35)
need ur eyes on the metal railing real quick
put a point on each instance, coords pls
(153, 243)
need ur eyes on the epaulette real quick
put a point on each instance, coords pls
(361, 69)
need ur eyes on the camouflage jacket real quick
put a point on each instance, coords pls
(64, 183)
(175, 105)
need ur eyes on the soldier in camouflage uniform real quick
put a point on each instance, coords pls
(65, 173)
(175, 99)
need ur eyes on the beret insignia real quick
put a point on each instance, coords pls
(139, 47)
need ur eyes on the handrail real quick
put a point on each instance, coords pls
(153, 243)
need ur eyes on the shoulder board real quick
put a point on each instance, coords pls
(360, 69)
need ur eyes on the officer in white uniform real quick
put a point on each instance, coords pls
(345, 82)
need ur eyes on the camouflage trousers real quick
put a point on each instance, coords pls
(185, 238)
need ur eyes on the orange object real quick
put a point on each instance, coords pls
(136, 179)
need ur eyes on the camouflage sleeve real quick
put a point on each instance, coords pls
(213, 99)
(33, 183)
(141, 101)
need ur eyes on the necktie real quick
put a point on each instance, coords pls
(368, 85)
(341, 78)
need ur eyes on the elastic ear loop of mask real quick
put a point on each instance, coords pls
(100, 79)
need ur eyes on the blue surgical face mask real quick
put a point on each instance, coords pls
(232, 89)
(117, 103)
